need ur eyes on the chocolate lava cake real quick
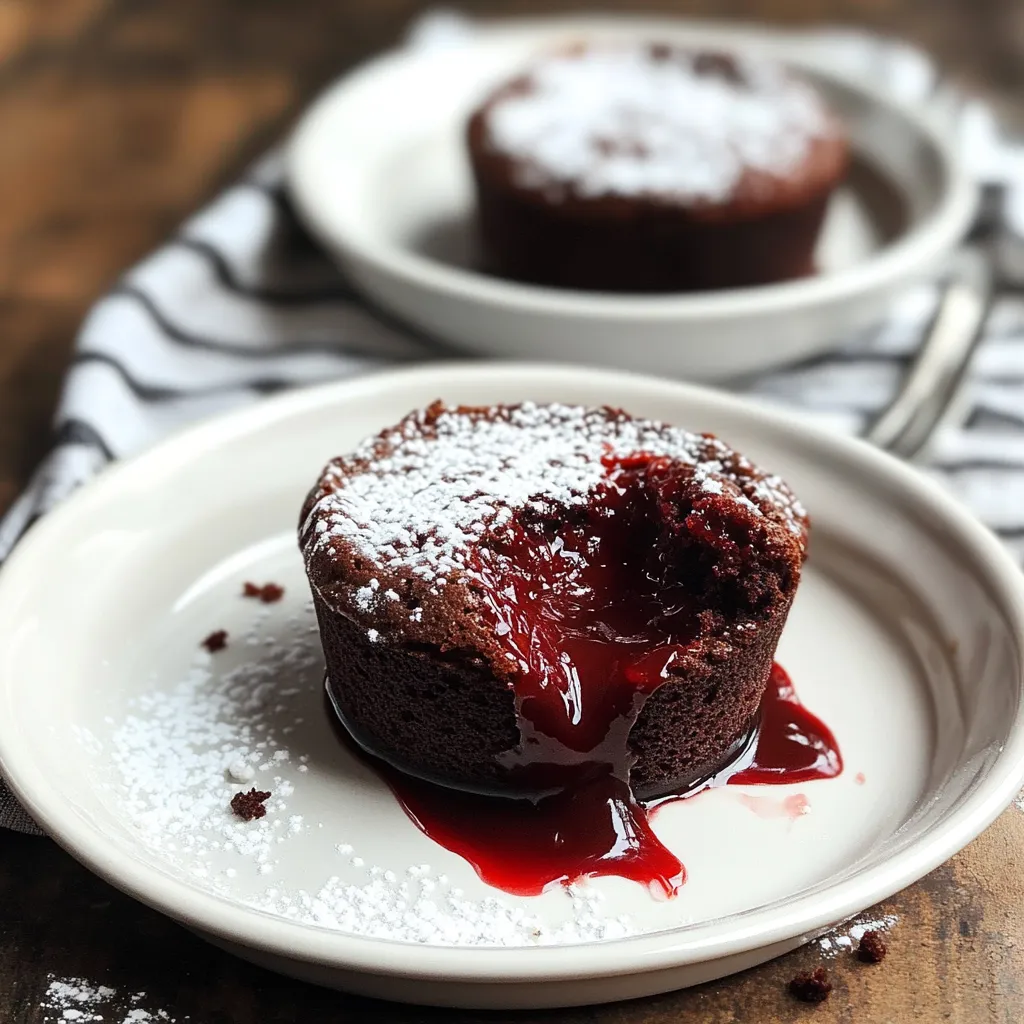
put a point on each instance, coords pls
(515, 599)
(652, 168)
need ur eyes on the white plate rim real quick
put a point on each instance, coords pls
(917, 248)
(800, 915)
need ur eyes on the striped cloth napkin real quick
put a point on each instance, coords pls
(240, 304)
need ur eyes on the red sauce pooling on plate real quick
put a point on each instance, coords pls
(524, 846)
(594, 607)
(793, 745)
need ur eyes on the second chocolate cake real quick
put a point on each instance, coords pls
(518, 598)
(647, 168)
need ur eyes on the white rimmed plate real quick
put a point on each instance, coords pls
(379, 175)
(115, 731)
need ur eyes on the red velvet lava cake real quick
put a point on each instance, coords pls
(519, 599)
(650, 168)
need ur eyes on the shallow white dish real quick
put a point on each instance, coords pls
(378, 173)
(906, 637)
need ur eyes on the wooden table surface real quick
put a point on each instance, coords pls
(120, 116)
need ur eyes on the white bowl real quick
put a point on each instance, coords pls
(906, 637)
(378, 173)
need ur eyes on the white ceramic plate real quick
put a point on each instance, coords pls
(378, 173)
(115, 730)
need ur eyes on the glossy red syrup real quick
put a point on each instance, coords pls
(593, 615)
(594, 607)
(525, 847)
(793, 745)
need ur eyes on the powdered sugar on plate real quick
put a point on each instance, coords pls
(644, 120)
(181, 753)
(424, 907)
(254, 716)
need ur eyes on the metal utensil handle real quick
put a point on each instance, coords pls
(936, 374)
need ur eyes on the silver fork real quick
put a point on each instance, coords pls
(992, 257)
(935, 379)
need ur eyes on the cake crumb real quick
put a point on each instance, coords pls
(811, 986)
(216, 641)
(268, 593)
(839, 943)
(872, 948)
(249, 805)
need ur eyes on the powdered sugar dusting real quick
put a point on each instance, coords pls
(845, 939)
(630, 121)
(426, 908)
(173, 746)
(81, 1001)
(423, 495)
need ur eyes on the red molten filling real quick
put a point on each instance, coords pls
(592, 611)
(525, 847)
(594, 608)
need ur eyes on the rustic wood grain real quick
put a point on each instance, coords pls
(120, 116)
(957, 955)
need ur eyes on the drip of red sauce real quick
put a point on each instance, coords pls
(593, 613)
(793, 745)
(594, 607)
(525, 847)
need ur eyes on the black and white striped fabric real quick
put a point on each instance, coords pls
(240, 304)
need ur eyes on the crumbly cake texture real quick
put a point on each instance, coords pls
(249, 806)
(811, 986)
(649, 120)
(872, 947)
(216, 641)
(393, 537)
(410, 505)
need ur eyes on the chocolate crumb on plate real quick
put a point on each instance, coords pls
(811, 986)
(249, 805)
(269, 593)
(216, 641)
(872, 948)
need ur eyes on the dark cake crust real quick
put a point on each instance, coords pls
(543, 230)
(419, 673)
